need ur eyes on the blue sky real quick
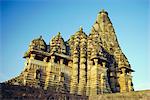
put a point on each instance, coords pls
(22, 21)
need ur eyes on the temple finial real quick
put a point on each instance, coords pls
(103, 11)
(81, 29)
(58, 33)
(40, 37)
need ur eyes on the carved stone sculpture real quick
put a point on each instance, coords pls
(85, 64)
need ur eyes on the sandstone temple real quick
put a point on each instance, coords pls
(84, 64)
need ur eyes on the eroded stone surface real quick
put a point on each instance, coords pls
(85, 64)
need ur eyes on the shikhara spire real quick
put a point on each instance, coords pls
(85, 64)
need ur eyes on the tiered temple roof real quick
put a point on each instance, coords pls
(85, 64)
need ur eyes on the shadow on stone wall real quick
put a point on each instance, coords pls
(15, 92)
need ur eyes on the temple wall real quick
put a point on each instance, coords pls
(85, 64)
(14, 92)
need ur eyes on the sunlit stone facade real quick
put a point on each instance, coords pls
(85, 64)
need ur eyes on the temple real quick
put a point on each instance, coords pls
(84, 64)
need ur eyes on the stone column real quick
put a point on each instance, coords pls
(61, 66)
(61, 61)
(89, 64)
(52, 59)
(74, 73)
(130, 85)
(123, 81)
(82, 78)
(25, 78)
(105, 87)
(96, 62)
(48, 73)
(45, 59)
(93, 78)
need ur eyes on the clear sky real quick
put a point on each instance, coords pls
(24, 20)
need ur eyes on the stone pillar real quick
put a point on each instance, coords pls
(113, 82)
(89, 64)
(70, 63)
(105, 87)
(82, 78)
(47, 80)
(103, 64)
(93, 78)
(45, 59)
(52, 59)
(48, 72)
(74, 73)
(61, 61)
(61, 75)
(96, 62)
(123, 81)
(25, 79)
(102, 81)
(130, 85)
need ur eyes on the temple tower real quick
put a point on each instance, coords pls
(85, 64)
(34, 72)
(78, 45)
(97, 81)
(74, 45)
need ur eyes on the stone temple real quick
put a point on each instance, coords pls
(84, 64)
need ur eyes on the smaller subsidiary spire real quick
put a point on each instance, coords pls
(80, 32)
(56, 37)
